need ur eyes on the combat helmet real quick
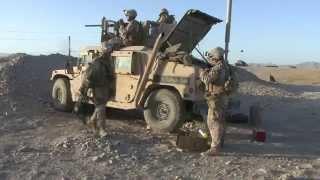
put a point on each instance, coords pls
(216, 53)
(131, 13)
(164, 11)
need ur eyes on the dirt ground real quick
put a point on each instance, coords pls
(37, 142)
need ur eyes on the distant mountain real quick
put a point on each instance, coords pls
(309, 65)
(4, 54)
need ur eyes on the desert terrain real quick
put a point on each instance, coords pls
(38, 142)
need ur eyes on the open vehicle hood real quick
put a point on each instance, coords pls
(189, 31)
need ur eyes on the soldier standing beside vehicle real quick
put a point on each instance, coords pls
(98, 77)
(164, 17)
(131, 33)
(219, 82)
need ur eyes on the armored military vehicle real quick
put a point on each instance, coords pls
(162, 80)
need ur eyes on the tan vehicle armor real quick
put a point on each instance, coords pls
(162, 80)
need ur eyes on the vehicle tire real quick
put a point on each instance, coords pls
(61, 95)
(164, 110)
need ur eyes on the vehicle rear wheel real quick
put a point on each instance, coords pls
(164, 110)
(61, 95)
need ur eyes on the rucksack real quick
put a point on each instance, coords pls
(99, 72)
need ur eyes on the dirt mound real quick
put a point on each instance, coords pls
(253, 90)
(250, 84)
(26, 79)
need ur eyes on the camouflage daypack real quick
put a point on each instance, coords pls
(99, 72)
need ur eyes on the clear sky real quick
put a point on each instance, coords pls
(269, 31)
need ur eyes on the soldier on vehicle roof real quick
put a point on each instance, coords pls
(131, 32)
(219, 84)
(164, 17)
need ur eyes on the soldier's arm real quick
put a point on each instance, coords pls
(204, 75)
(162, 19)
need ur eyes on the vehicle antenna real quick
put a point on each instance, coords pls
(228, 28)
(203, 57)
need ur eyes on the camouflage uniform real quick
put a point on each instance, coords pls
(131, 33)
(98, 77)
(164, 17)
(215, 78)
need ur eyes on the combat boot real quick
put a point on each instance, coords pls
(102, 132)
(213, 151)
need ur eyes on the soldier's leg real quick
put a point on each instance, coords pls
(80, 105)
(223, 119)
(101, 120)
(92, 123)
(100, 98)
(215, 125)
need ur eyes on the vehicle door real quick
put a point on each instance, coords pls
(126, 80)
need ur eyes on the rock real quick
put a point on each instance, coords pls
(178, 178)
(65, 145)
(64, 178)
(306, 166)
(103, 155)
(133, 157)
(145, 167)
(99, 158)
(116, 143)
(107, 149)
(110, 161)
(262, 171)
(26, 149)
(228, 162)
(195, 164)
(84, 146)
(85, 178)
(168, 169)
(95, 159)
(286, 177)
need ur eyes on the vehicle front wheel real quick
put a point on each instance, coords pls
(164, 110)
(61, 95)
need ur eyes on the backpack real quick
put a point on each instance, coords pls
(99, 73)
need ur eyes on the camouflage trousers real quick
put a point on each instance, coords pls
(98, 119)
(216, 119)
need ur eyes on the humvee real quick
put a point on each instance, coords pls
(155, 79)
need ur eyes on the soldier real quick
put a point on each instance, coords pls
(131, 33)
(98, 77)
(216, 79)
(164, 17)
